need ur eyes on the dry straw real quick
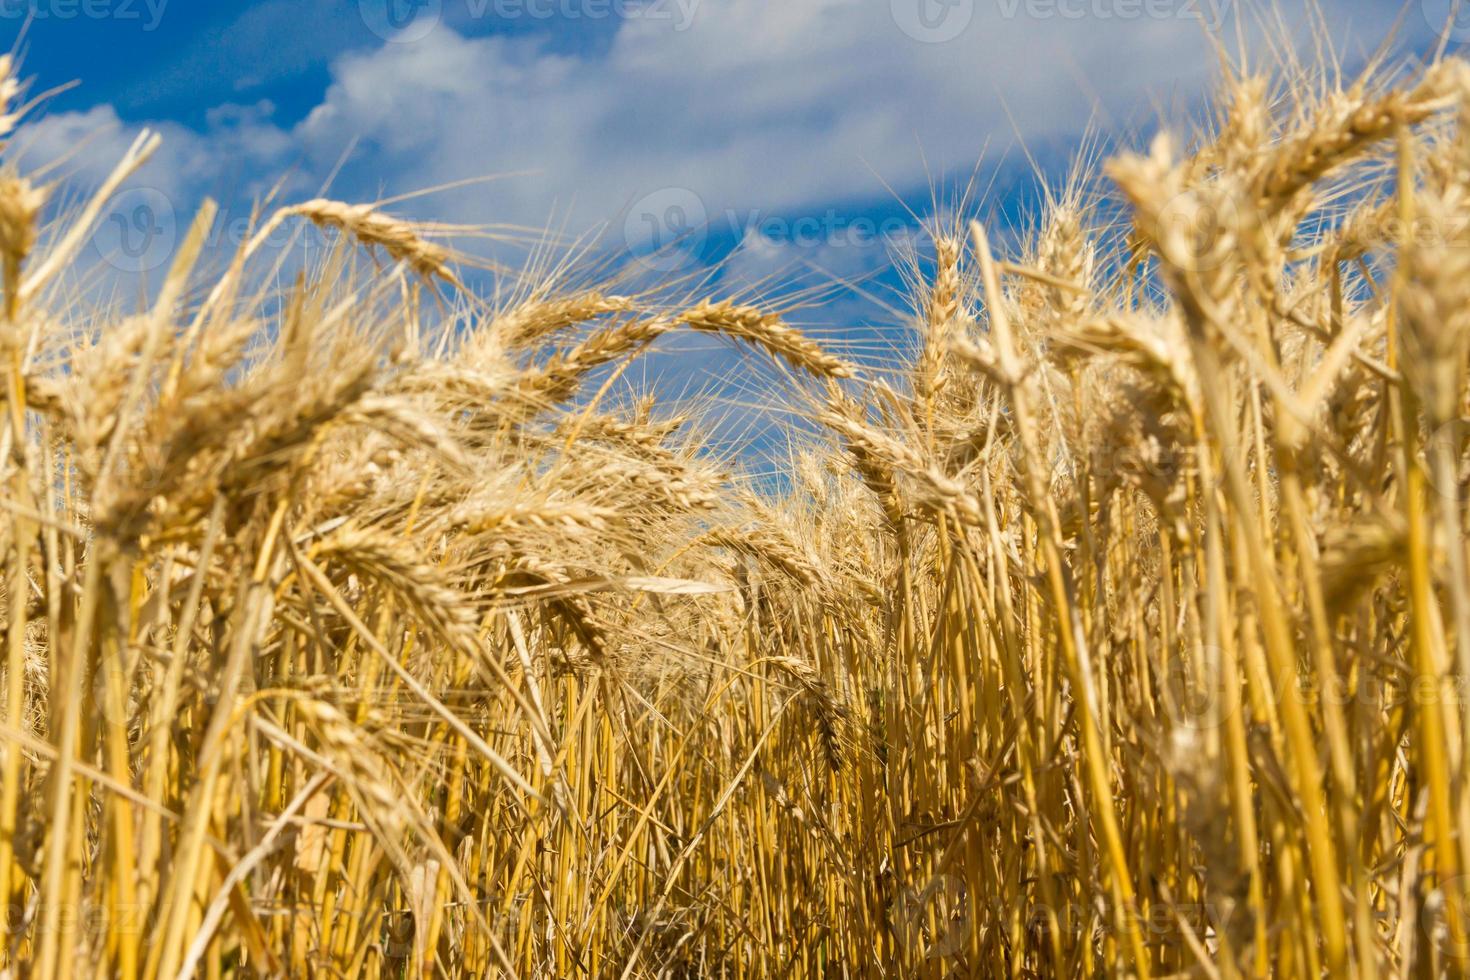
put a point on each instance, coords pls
(1124, 632)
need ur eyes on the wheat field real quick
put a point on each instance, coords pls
(362, 623)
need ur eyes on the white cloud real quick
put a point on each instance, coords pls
(754, 105)
(751, 107)
(240, 144)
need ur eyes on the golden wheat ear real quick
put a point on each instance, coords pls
(1123, 630)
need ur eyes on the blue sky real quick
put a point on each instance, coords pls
(777, 136)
